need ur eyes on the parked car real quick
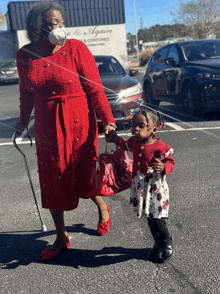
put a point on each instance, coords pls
(186, 72)
(8, 71)
(124, 93)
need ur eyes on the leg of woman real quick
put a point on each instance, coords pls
(61, 240)
(103, 209)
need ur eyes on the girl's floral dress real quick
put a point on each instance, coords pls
(149, 190)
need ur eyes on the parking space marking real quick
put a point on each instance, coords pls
(174, 126)
(177, 130)
(25, 132)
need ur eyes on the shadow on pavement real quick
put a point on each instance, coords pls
(23, 248)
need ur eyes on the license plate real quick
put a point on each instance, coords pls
(8, 72)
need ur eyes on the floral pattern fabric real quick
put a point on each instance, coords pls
(150, 193)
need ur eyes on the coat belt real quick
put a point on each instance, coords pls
(63, 98)
(65, 140)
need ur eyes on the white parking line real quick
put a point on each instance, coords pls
(129, 134)
(174, 126)
(18, 140)
(176, 130)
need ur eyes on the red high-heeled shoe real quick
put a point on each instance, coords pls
(104, 228)
(49, 254)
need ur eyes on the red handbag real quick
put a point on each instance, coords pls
(114, 173)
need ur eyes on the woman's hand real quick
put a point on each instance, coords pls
(108, 128)
(158, 166)
(19, 128)
(110, 133)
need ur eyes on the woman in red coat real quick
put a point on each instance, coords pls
(60, 80)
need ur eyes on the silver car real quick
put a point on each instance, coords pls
(8, 71)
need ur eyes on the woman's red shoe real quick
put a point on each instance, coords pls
(49, 254)
(104, 228)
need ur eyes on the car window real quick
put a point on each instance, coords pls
(109, 66)
(194, 51)
(160, 55)
(174, 53)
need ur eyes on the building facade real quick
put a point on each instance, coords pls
(100, 24)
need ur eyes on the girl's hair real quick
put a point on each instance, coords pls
(156, 117)
(36, 19)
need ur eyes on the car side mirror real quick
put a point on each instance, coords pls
(171, 61)
(133, 72)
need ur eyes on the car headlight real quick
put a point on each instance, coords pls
(134, 90)
(209, 76)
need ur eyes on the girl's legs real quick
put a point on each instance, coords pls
(61, 240)
(102, 208)
(163, 240)
(158, 229)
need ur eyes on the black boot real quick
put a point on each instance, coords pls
(157, 248)
(163, 240)
(167, 250)
(155, 252)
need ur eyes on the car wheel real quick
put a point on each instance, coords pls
(149, 98)
(188, 100)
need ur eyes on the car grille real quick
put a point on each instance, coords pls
(112, 97)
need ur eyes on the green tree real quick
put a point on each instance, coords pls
(162, 32)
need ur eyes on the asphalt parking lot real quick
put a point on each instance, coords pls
(115, 262)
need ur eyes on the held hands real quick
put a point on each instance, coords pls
(158, 166)
(110, 133)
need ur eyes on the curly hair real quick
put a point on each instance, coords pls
(36, 19)
(156, 117)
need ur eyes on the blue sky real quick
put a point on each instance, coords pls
(152, 12)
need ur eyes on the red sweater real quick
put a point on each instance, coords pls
(144, 154)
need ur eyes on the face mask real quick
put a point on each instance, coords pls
(58, 36)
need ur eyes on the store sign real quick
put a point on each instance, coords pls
(91, 36)
(103, 40)
(106, 39)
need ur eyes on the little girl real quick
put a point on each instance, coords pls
(149, 189)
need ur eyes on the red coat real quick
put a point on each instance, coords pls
(64, 88)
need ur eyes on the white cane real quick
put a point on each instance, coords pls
(44, 228)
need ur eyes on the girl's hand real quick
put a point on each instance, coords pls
(110, 133)
(158, 166)
(111, 137)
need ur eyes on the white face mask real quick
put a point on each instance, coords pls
(58, 36)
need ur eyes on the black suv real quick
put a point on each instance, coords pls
(185, 72)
